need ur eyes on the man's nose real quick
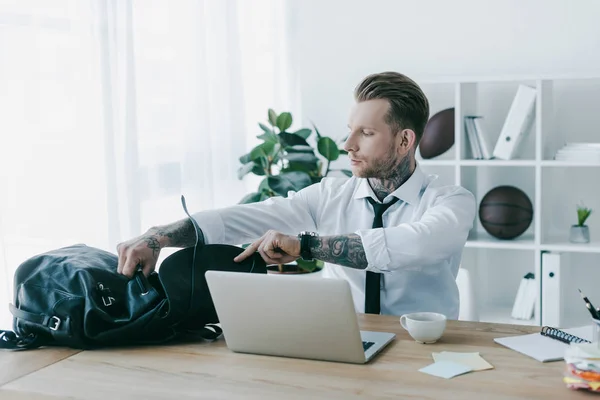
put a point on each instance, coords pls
(350, 144)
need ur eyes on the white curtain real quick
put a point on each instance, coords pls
(112, 109)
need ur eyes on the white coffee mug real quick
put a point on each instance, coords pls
(424, 327)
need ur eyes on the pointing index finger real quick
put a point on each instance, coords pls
(246, 253)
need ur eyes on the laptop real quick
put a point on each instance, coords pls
(291, 316)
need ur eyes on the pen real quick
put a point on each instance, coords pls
(589, 306)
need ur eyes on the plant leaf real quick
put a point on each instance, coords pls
(269, 137)
(264, 196)
(316, 130)
(284, 182)
(251, 198)
(264, 127)
(346, 172)
(263, 150)
(264, 186)
(258, 169)
(245, 158)
(342, 151)
(328, 148)
(300, 149)
(291, 139)
(305, 158)
(305, 133)
(284, 121)
(272, 117)
(583, 214)
(245, 169)
(308, 266)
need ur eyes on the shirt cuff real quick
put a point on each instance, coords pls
(373, 240)
(211, 224)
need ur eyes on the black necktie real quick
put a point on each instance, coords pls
(373, 283)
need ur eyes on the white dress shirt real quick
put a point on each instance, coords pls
(418, 250)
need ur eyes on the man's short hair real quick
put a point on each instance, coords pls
(409, 107)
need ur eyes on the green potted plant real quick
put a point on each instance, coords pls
(580, 233)
(288, 161)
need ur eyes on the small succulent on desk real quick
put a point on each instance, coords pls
(583, 214)
(289, 162)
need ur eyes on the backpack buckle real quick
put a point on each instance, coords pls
(54, 323)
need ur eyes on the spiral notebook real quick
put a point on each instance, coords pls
(548, 345)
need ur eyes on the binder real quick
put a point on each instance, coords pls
(517, 123)
(552, 289)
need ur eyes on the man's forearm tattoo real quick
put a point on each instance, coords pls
(178, 234)
(152, 243)
(345, 250)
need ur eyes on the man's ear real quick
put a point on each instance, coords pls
(406, 139)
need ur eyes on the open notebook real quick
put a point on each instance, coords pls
(548, 347)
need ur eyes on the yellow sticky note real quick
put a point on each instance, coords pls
(473, 360)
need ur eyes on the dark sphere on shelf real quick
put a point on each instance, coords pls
(505, 212)
(438, 135)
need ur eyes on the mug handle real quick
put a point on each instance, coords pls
(403, 322)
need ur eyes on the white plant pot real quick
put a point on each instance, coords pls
(579, 234)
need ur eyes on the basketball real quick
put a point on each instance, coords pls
(505, 212)
(438, 135)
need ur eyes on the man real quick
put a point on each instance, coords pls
(397, 261)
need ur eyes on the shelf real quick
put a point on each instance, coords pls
(489, 163)
(501, 315)
(482, 240)
(554, 163)
(437, 79)
(561, 243)
(436, 162)
(498, 163)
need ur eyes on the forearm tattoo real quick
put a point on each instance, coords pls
(152, 243)
(345, 250)
(177, 234)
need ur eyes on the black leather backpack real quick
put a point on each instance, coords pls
(74, 297)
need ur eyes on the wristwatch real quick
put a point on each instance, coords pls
(305, 238)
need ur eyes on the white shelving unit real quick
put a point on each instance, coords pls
(566, 110)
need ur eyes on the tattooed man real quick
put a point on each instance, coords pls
(394, 232)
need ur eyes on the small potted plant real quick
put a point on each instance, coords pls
(580, 233)
(289, 161)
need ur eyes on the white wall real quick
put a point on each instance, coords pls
(335, 43)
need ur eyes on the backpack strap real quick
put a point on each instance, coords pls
(200, 241)
(52, 322)
(208, 332)
(10, 340)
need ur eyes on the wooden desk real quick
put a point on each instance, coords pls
(210, 370)
(14, 365)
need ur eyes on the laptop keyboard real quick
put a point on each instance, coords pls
(366, 345)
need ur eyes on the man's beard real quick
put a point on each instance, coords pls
(385, 168)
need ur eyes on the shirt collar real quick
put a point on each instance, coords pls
(408, 192)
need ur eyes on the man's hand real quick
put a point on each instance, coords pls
(141, 251)
(274, 247)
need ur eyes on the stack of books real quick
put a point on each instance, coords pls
(476, 136)
(579, 152)
(516, 127)
(524, 305)
(582, 369)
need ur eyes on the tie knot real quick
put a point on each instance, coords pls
(379, 209)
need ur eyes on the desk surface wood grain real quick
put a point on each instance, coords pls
(210, 370)
(15, 364)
